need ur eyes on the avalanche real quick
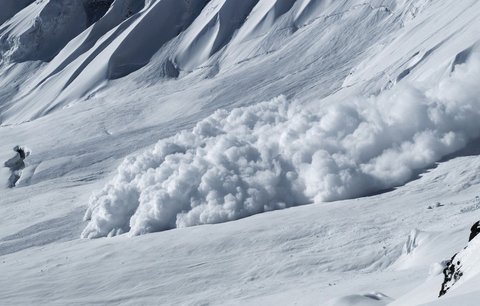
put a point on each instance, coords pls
(274, 155)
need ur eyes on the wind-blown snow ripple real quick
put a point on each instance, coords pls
(277, 154)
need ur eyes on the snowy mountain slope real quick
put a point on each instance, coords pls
(110, 84)
(86, 69)
(306, 255)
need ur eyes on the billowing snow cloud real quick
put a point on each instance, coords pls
(276, 154)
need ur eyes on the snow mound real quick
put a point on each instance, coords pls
(369, 299)
(277, 154)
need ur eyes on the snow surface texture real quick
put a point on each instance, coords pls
(275, 155)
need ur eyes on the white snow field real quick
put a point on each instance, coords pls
(239, 152)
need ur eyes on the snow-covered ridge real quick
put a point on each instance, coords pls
(87, 43)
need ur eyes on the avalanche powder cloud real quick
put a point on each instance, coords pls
(275, 155)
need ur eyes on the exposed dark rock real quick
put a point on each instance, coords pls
(453, 270)
(96, 9)
(474, 231)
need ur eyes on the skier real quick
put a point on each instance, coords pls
(16, 165)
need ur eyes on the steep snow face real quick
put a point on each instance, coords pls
(137, 47)
(212, 30)
(204, 38)
(41, 30)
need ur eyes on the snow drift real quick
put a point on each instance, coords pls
(276, 154)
